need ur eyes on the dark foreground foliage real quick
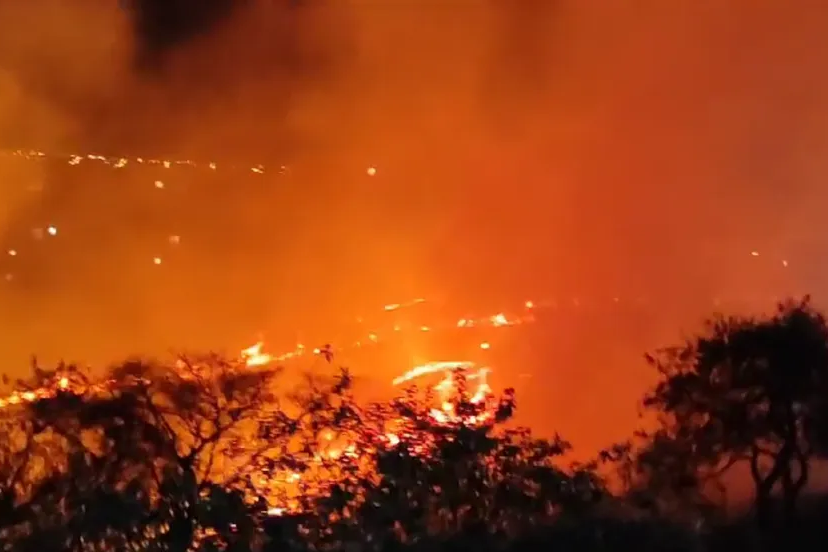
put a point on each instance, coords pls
(194, 455)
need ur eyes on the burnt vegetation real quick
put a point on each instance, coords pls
(208, 454)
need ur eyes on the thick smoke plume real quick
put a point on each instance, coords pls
(537, 148)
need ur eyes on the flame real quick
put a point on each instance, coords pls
(446, 388)
(432, 368)
(500, 319)
(254, 356)
(395, 434)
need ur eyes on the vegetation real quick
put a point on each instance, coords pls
(207, 454)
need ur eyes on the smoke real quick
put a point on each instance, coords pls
(160, 26)
(523, 149)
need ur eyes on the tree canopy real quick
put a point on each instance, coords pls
(748, 391)
(196, 453)
(207, 453)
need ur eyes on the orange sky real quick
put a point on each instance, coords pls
(556, 149)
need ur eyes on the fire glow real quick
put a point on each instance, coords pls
(447, 388)
(256, 355)
(397, 431)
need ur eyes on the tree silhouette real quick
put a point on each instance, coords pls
(182, 456)
(666, 477)
(210, 454)
(74, 468)
(149, 457)
(470, 477)
(747, 390)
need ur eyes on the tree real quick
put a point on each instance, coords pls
(74, 467)
(422, 477)
(147, 456)
(749, 390)
(662, 476)
(192, 455)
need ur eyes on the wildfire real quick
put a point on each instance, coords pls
(399, 430)
(396, 432)
(447, 387)
(256, 355)
(252, 357)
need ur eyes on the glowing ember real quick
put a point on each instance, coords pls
(121, 162)
(500, 320)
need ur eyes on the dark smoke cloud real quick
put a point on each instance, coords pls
(162, 25)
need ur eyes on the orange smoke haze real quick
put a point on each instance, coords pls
(523, 150)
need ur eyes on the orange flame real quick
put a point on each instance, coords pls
(254, 355)
(446, 387)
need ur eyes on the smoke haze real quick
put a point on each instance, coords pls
(523, 149)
